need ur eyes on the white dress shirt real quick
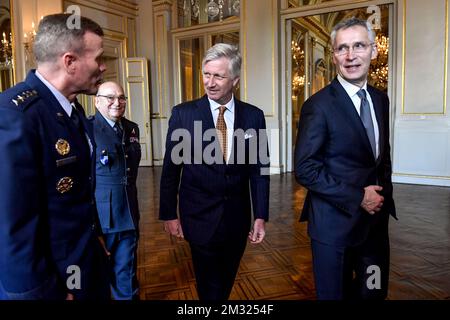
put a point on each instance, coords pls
(63, 101)
(229, 120)
(352, 91)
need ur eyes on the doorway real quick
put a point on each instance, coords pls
(308, 58)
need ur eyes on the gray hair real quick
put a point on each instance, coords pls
(351, 22)
(226, 50)
(54, 37)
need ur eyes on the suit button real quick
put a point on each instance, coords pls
(93, 226)
(128, 169)
(126, 156)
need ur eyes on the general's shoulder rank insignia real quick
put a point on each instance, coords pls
(64, 185)
(24, 96)
(62, 146)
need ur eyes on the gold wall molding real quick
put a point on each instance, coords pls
(162, 60)
(109, 6)
(162, 5)
(275, 59)
(411, 175)
(13, 40)
(444, 106)
(243, 36)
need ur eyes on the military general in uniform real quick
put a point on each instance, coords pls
(117, 161)
(49, 246)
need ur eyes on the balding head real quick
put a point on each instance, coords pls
(110, 100)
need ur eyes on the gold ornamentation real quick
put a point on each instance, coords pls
(64, 185)
(62, 146)
(379, 70)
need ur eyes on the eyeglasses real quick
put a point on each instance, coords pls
(357, 47)
(208, 76)
(112, 99)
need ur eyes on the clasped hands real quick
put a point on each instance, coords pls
(372, 201)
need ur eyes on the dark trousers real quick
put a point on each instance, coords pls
(123, 264)
(216, 264)
(352, 272)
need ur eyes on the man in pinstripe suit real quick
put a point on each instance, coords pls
(214, 180)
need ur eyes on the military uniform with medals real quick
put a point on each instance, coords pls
(48, 237)
(117, 161)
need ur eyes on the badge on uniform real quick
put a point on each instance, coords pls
(64, 185)
(104, 159)
(133, 137)
(62, 146)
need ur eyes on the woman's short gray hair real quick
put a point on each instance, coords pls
(55, 36)
(228, 51)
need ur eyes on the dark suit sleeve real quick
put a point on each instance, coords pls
(90, 122)
(309, 162)
(170, 177)
(386, 166)
(24, 266)
(259, 173)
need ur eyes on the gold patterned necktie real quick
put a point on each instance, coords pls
(221, 128)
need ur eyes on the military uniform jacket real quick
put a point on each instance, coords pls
(117, 163)
(47, 210)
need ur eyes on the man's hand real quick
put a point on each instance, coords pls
(102, 243)
(173, 227)
(256, 235)
(372, 201)
(70, 297)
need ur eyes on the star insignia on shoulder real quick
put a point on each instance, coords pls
(24, 96)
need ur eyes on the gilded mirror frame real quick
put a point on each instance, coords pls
(8, 72)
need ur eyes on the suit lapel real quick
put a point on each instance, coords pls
(238, 124)
(238, 115)
(378, 107)
(205, 114)
(206, 118)
(105, 127)
(344, 103)
(56, 109)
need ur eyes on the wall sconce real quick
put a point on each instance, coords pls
(28, 40)
(6, 59)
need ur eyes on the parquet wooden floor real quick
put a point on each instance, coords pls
(280, 267)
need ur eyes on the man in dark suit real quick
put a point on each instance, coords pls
(213, 180)
(49, 247)
(117, 162)
(342, 156)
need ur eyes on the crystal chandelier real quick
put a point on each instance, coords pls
(379, 69)
(214, 9)
(191, 7)
(298, 78)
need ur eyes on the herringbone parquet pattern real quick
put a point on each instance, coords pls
(280, 267)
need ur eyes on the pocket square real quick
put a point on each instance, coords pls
(248, 136)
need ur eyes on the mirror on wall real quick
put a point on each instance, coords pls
(6, 47)
(310, 54)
